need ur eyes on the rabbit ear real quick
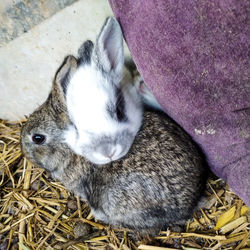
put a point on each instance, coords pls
(64, 74)
(85, 52)
(108, 50)
(61, 81)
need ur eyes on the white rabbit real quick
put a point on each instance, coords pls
(105, 109)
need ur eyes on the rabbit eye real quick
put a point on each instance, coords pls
(38, 139)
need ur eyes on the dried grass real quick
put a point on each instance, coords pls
(37, 212)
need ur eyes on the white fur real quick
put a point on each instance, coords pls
(110, 48)
(87, 97)
(96, 134)
(86, 102)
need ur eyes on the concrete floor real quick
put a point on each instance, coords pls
(18, 17)
(32, 48)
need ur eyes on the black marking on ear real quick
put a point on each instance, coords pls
(85, 52)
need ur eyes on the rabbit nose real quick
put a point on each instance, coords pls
(108, 152)
(111, 154)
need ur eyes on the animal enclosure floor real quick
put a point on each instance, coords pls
(37, 212)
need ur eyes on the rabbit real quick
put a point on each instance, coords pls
(146, 95)
(105, 110)
(156, 185)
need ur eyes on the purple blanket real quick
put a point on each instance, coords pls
(194, 56)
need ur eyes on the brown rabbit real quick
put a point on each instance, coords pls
(156, 185)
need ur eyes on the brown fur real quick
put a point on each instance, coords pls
(157, 184)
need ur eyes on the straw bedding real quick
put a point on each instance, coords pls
(37, 212)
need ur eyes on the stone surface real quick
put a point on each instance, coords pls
(29, 62)
(18, 17)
